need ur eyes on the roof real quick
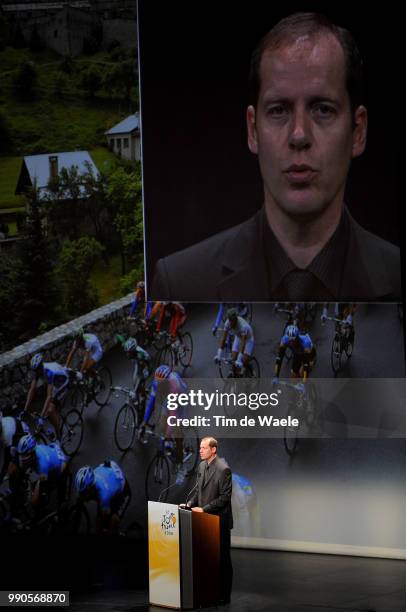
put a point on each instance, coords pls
(129, 124)
(38, 166)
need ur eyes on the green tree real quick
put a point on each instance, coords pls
(122, 78)
(124, 194)
(38, 294)
(64, 204)
(75, 265)
(26, 80)
(91, 80)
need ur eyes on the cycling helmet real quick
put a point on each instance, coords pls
(292, 332)
(130, 346)
(36, 361)
(162, 372)
(141, 285)
(232, 313)
(84, 479)
(26, 444)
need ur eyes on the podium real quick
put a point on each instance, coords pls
(184, 557)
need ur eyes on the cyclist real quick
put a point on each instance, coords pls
(139, 300)
(11, 430)
(57, 379)
(345, 313)
(242, 309)
(47, 466)
(177, 315)
(93, 351)
(304, 354)
(244, 504)
(107, 485)
(243, 339)
(142, 366)
(175, 384)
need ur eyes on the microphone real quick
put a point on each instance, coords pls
(191, 490)
(166, 489)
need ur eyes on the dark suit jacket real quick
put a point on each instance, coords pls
(230, 267)
(214, 495)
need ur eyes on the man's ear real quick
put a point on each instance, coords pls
(359, 136)
(252, 130)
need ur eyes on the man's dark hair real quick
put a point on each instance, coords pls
(212, 442)
(310, 24)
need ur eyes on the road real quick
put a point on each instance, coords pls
(378, 352)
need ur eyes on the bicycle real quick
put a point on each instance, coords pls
(343, 342)
(175, 352)
(304, 409)
(90, 387)
(164, 462)
(128, 418)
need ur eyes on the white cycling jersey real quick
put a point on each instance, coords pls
(242, 330)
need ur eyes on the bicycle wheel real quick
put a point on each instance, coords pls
(75, 399)
(336, 354)
(166, 357)
(185, 349)
(349, 347)
(71, 432)
(103, 384)
(290, 432)
(77, 521)
(125, 426)
(157, 478)
(253, 370)
(190, 449)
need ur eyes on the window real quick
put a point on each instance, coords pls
(125, 143)
(118, 143)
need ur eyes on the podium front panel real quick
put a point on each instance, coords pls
(164, 559)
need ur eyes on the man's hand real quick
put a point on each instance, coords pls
(197, 509)
(218, 356)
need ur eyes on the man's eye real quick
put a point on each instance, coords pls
(276, 111)
(324, 110)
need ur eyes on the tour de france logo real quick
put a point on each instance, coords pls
(168, 523)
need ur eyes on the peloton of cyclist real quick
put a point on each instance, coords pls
(108, 487)
(243, 339)
(304, 354)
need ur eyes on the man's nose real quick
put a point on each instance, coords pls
(300, 136)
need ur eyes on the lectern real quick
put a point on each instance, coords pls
(184, 557)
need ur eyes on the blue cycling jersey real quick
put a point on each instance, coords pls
(50, 459)
(54, 371)
(109, 481)
(303, 345)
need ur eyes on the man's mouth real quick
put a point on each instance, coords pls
(298, 174)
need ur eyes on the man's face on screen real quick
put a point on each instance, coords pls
(302, 128)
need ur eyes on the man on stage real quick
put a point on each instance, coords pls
(213, 495)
